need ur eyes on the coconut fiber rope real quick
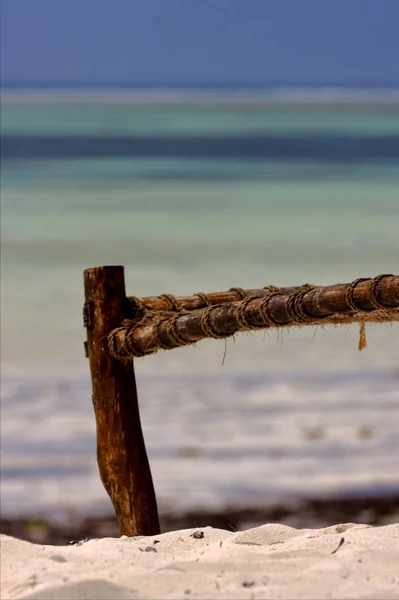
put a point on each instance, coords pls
(373, 291)
(163, 328)
(204, 298)
(208, 328)
(295, 307)
(174, 339)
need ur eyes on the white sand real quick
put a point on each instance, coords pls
(272, 561)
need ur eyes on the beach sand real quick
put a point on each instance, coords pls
(270, 561)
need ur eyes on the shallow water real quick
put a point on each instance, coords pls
(189, 199)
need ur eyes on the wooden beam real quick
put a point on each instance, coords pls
(121, 452)
(196, 301)
(364, 300)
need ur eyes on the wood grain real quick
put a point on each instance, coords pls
(121, 452)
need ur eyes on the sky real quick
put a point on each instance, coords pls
(199, 41)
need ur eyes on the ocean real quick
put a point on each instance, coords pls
(198, 191)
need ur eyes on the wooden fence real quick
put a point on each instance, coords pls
(120, 328)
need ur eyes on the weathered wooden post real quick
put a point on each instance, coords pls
(121, 452)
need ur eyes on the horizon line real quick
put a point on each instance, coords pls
(193, 85)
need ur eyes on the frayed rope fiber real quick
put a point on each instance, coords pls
(362, 301)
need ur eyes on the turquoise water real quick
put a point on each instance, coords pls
(186, 222)
(188, 198)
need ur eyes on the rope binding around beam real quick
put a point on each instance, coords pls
(218, 316)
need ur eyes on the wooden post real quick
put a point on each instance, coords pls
(121, 452)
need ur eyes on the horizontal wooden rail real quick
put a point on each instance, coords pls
(177, 303)
(169, 322)
(363, 300)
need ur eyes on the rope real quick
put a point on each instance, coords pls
(373, 292)
(175, 340)
(239, 291)
(372, 298)
(207, 326)
(112, 342)
(160, 328)
(136, 302)
(137, 308)
(241, 316)
(203, 297)
(264, 308)
(129, 348)
(362, 336)
(295, 308)
(350, 290)
(171, 299)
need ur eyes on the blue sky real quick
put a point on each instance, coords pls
(206, 41)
